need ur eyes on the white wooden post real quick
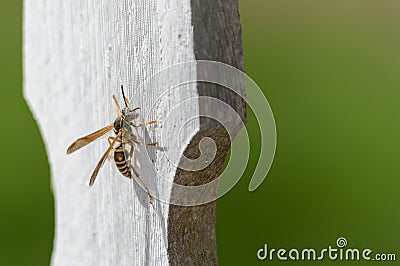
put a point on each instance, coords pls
(76, 55)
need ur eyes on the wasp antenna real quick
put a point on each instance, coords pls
(123, 95)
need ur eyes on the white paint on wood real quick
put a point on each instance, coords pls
(76, 55)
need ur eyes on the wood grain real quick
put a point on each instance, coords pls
(76, 56)
(217, 37)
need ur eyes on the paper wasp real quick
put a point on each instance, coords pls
(122, 126)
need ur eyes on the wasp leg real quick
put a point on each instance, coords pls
(116, 105)
(142, 124)
(130, 155)
(117, 139)
(146, 144)
(143, 184)
(103, 159)
(110, 143)
(126, 100)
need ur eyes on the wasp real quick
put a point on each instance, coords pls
(122, 126)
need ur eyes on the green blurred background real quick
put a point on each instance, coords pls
(330, 70)
(27, 208)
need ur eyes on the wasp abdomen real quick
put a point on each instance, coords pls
(120, 159)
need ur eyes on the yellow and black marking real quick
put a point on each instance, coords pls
(121, 161)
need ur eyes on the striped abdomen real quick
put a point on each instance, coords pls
(120, 159)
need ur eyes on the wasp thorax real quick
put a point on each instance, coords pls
(118, 124)
(122, 125)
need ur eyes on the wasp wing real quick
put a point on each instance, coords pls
(82, 142)
(102, 160)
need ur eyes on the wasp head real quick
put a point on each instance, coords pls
(130, 115)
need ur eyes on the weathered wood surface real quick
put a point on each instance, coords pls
(217, 37)
(76, 55)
